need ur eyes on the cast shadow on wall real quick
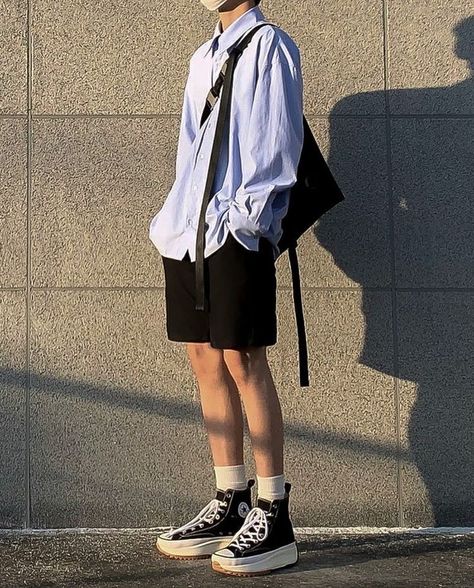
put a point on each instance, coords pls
(432, 269)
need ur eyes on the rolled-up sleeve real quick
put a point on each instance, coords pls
(271, 147)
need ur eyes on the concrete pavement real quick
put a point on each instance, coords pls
(128, 559)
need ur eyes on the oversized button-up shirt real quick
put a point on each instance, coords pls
(260, 150)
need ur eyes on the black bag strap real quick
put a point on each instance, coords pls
(214, 92)
(298, 304)
(224, 84)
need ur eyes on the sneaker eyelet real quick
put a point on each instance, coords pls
(218, 516)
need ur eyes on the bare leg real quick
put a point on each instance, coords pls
(220, 403)
(250, 370)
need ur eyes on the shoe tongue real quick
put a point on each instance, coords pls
(264, 504)
(220, 494)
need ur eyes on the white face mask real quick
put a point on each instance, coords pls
(213, 4)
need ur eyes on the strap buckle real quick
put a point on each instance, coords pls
(212, 98)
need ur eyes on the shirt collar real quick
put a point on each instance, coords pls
(234, 31)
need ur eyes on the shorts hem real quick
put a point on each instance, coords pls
(178, 339)
(233, 345)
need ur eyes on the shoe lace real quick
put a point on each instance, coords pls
(254, 529)
(207, 515)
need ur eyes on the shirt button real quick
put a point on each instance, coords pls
(189, 222)
(194, 187)
(201, 156)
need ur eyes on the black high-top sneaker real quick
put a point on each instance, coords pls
(212, 528)
(264, 543)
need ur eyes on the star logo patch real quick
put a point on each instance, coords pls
(243, 509)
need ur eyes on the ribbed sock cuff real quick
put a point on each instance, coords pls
(271, 488)
(232, 477)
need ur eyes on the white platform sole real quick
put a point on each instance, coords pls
(191, 548)
(256, 564)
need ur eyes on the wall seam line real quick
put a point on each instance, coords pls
(29, 42)
(157, 116)
(414, 289)
(393, 289)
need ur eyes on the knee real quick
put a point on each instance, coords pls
(205, 360)
(246, 365)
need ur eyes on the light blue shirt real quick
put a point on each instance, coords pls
(259, 155)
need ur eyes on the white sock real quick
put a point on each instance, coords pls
(232, 477)
(271, 488)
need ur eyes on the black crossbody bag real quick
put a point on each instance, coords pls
(313, 194)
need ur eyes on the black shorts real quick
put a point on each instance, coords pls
(241, 290)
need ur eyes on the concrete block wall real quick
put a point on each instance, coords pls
(101, 424)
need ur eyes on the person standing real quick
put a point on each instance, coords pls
(227, 342)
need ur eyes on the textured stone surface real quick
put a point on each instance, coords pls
(341, 451)
(433, 180)
(97, 184)
(13, 57)
(12, 408)
(125, 57)
(12, 202)
(437, 407)
(430, 47)
(111, 405)
(341, 45)
(110, 49)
